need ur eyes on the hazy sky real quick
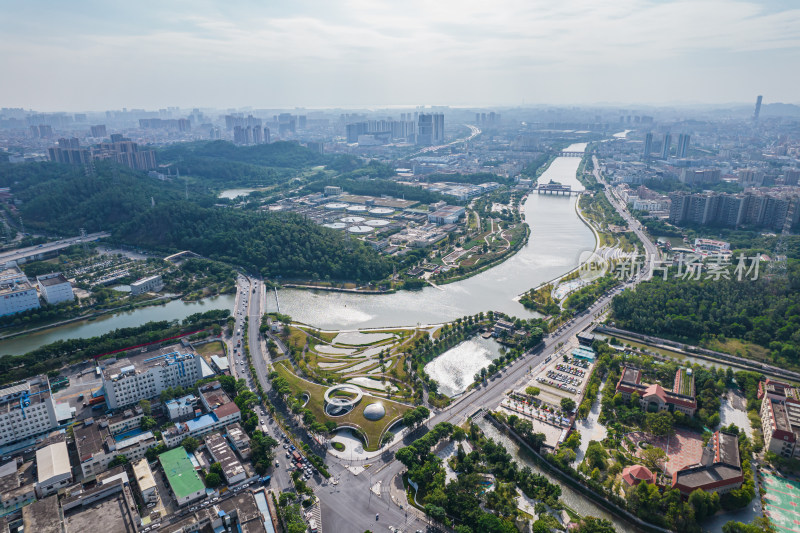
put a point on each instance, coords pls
(95, 55)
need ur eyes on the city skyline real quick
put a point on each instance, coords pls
(373, 54)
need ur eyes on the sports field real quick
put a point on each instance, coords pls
(782, 497)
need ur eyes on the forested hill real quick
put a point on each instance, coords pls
(763, 312)
(221, 163)
(275, 244)
(144, 211)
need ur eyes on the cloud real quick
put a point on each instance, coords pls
(456, 48)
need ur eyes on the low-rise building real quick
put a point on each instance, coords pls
(634, 474)
(42, 516)
(17, 485)
(55, 288)
(53, 469)
(710, 245)
(182, 408)
(149, 284)
(448, 214)
(182, 477)
(222, 453)
(681, 398)
(238, 513)
(719, 469)
(239, 440)
(145, 481)
(202, 425)
(97, 447)
(126, 420)
(109, 505)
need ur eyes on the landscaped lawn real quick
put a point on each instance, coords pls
(316, 403)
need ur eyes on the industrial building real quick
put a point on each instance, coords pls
(239, 440)
(17, 485)
(55, 288)
(149, 284)
(53, 470)
(222, 453)
(199, 426)
(132, 379)
(27, 409)
(16, 292)
(182, 477)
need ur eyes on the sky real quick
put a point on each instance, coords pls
(99, 54)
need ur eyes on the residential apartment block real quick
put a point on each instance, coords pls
(780, 417)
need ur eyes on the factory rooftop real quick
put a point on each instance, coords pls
(143, 362)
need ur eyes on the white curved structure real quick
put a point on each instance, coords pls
(342, 403)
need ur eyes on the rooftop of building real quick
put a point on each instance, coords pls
(42, 516)
(222, 453)
(631, 375)
(243, 505)
(52, 461)
(122, 416)
(215, 398)
(50, 280)
(720, 462)
(236, 433)
(144, 361)
(144, 475)
(145, 280)
(180, 472)
(37, 389)
(115, 513)
(90, 438)
(14, 479)
(633, 474)
(780, 415)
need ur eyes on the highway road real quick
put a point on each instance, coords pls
(34, 252)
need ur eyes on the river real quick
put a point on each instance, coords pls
(558, 237)
(173, 310)
(575, 500)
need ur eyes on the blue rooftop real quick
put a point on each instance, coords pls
(201, 422)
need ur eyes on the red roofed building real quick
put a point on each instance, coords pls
(634, 474)
(680, 399)
(719, 469)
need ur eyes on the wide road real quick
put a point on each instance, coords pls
(33, 252)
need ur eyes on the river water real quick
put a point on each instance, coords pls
(558, 237)
(575, 500)
(173, 310)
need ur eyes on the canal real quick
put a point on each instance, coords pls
(173, 310)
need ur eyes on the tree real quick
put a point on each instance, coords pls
(213, 480)
(760, 525)
(118, 460)
(190, 444)
(596, 455)
(532, 391)
(705, 504)
(147, 408)
(567, 405)
(653, 458)
(660, 424)
(387, 437)
(591, 524)
(148, 422)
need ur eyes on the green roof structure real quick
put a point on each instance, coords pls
(182, 476)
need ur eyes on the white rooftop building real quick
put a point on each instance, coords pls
(27, 409)
(55, 288)
(16, 292)
(53, 469)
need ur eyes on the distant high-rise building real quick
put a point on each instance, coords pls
(302, 121)
(266, 136)
(758, 107)
(666, 146)
(318, 147)
(98, 131)
(42, 131)
(648, 145)
(72, 142)
(430, 128)
(792, 176)
(683, 145)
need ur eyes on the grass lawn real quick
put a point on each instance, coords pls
(372, 430)
(211, 348)
(297, 337)
(740, 348)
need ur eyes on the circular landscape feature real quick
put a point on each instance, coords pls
(377, 223)
(335, 225)
(357, 208)
(352, 220)
(360, 229)
(381, 211)
(341, 405)
(336, 206)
